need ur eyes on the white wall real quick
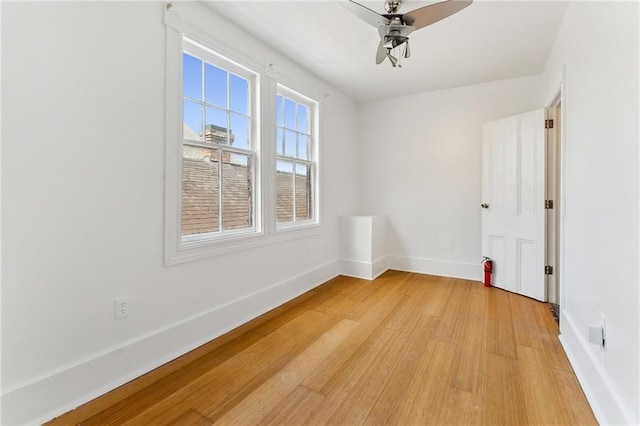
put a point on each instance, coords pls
(421, 166)
(82, 196)
(363, 246)
(598, 44)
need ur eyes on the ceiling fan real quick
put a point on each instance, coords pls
(394, 28)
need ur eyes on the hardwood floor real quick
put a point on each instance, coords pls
(403, 349)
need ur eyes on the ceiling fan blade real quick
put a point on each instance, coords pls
(381, 52)
(364, 13)
(433, 13)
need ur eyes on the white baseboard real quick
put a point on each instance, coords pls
(55, 393)
(607, 406)
(364, 270)
(444, 268)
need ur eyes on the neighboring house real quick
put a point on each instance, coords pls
(201, 198)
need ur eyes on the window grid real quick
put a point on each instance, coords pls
(301, 128)
(221, 151)
(227, 110)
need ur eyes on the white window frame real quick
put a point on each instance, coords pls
(188, 19)
(312, 161)
(197, 50)
(179, 248)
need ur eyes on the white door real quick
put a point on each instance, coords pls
(513, 224)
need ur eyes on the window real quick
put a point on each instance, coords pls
(295, 159)
(219, 152)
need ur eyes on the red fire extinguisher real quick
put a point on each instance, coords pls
(488, 269)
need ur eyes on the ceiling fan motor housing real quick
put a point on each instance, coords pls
(392, 6)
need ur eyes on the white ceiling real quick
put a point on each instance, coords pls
(487, 41)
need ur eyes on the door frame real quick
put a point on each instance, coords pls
(559, 135)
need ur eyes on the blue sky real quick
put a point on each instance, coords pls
(210, 97)
(292, 120)
(214, 96)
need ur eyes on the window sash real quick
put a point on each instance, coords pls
(223, 149)
(310, 167)
(282, 126)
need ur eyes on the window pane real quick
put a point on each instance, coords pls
(236, 191)
(284, 191)
(302, 147)
(289, 143)
(279, 141)
(192, 120)
(239, 136)
(199, 190)
(239, 89)
(279, 101)
(289, 114)
(191, 77)
(303, 192)
(303, 118)
(215, 85)
(216, 126)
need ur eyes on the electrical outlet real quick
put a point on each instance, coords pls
(448, 245)
(598, 334)
(122, 307)
(595, 335)
(309, 251)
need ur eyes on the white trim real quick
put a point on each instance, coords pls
(362, 269)
(605, 402)
(179, 24)
(314, 154)
(183, 22)
(173, 133)
(302, 90)
(563, 186)
(380, 266)
(444, 268)
(178, 248)
(1, 275)
(58, 391)
(244, 242)
(560, 96)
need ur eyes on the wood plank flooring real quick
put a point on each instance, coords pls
(404, 349)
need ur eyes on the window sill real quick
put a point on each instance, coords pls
(203, 249)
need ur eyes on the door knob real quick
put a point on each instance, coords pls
(484, 205)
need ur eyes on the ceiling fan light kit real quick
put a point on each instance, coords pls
(394, 28)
